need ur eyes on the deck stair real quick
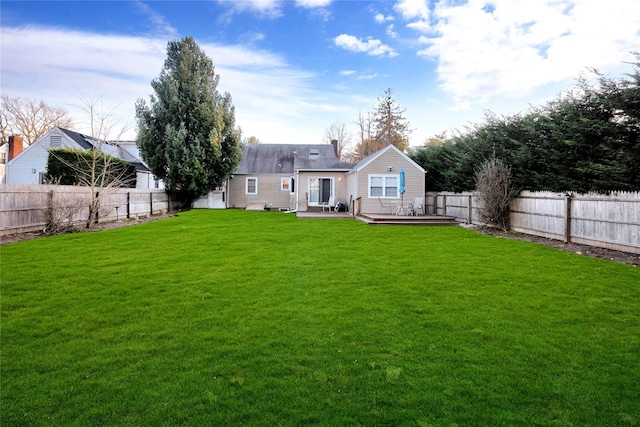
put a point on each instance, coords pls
(381, 219)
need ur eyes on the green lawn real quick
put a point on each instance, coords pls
(259, 319)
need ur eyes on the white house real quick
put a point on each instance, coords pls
(29, 166)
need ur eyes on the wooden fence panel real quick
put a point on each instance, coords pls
(540, 214)
(461, 206)
(24, 208)
(608, 221)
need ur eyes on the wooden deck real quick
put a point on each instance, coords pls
(382, 219)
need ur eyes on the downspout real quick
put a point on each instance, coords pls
(297, 191)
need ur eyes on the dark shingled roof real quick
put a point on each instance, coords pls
(109, 148)
(285, 158)
(79, 138)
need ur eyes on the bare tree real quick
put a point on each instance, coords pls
(367, 143)
(103, 174)
(495, 191)
(338, 132)
(98, 167)
(30, 118)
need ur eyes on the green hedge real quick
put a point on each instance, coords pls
(72, 167)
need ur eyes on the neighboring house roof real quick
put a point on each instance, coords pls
(110, 148)
(78, 138)
(287, 158)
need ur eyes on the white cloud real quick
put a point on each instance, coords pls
(313, 3)
(381, 19)
(391, 31)
(367, 76)
(347, 72)
(518, 46)
(59, 65)
(416, 11)
(410, 9)
(271, 8)
(370, 46)
(265, 8)
(159, 22)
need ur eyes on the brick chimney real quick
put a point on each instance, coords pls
(334, 142)
(15, 146)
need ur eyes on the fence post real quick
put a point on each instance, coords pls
(50, 209)
(444, 205)
(567, 218)
(150, 204)
(97, 206)
(470, 211)
(128, 205)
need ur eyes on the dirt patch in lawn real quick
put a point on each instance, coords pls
(592, 251)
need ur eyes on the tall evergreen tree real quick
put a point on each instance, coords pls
(187, 135)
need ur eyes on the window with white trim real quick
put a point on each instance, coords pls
(383, 186)
(287, 184)
(251, 185)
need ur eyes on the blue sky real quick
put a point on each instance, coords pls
(295, 67)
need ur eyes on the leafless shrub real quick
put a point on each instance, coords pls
(64, 212)
(495, 192)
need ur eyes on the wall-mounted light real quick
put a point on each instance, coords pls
(389, 168)
(33, 171)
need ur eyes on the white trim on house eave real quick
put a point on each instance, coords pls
(377, 154)
(323, 170)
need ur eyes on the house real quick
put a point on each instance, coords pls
(28, 166)
(304, 177)
(9, 150)
(377, 178)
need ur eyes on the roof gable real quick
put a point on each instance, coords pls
(367, 160)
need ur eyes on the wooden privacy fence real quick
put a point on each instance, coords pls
(25, 208)
(607, 221)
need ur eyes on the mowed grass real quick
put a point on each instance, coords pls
(259, 319)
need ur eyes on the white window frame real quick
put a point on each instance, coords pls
(246, 185)
(385, 177)
(319, 177)
(285, 184)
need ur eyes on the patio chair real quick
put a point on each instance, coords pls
(417, 207)
(329, 204)
(385, 206)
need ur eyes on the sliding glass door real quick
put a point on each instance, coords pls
(320, 189)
